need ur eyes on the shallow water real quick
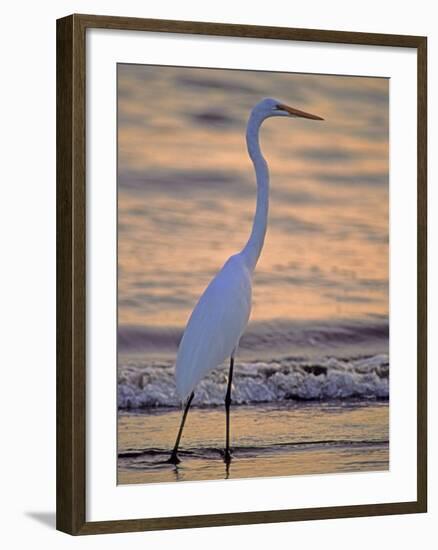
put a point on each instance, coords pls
(267, 440)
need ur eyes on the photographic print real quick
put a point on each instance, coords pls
(253, 253)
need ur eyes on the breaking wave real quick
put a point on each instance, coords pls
(150, 385)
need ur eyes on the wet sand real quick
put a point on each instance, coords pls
(267, 440)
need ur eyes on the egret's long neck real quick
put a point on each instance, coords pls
(253, 247)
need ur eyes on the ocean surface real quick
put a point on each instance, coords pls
(274, 364)
(311, 384)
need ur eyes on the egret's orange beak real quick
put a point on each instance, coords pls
(297, 112)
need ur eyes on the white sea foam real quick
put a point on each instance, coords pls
(152, 384)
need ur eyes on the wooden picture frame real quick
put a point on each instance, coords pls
(71, 273)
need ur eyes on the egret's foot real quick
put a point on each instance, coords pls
(174, 459)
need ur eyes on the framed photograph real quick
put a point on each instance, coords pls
(241, 274)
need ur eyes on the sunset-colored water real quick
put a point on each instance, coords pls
(187, 193)
(319, 324)
(302, 439)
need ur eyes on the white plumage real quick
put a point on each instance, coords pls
(215, 325)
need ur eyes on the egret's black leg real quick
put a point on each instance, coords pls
(227, 456)
(174, 456)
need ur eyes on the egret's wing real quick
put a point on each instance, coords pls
(215, 326)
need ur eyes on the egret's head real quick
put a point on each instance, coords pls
(272, 107)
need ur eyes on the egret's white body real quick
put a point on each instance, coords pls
(221, 315)
(215, 325)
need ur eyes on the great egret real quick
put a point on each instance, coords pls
(220, 317)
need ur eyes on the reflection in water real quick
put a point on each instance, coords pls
(268, 440)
